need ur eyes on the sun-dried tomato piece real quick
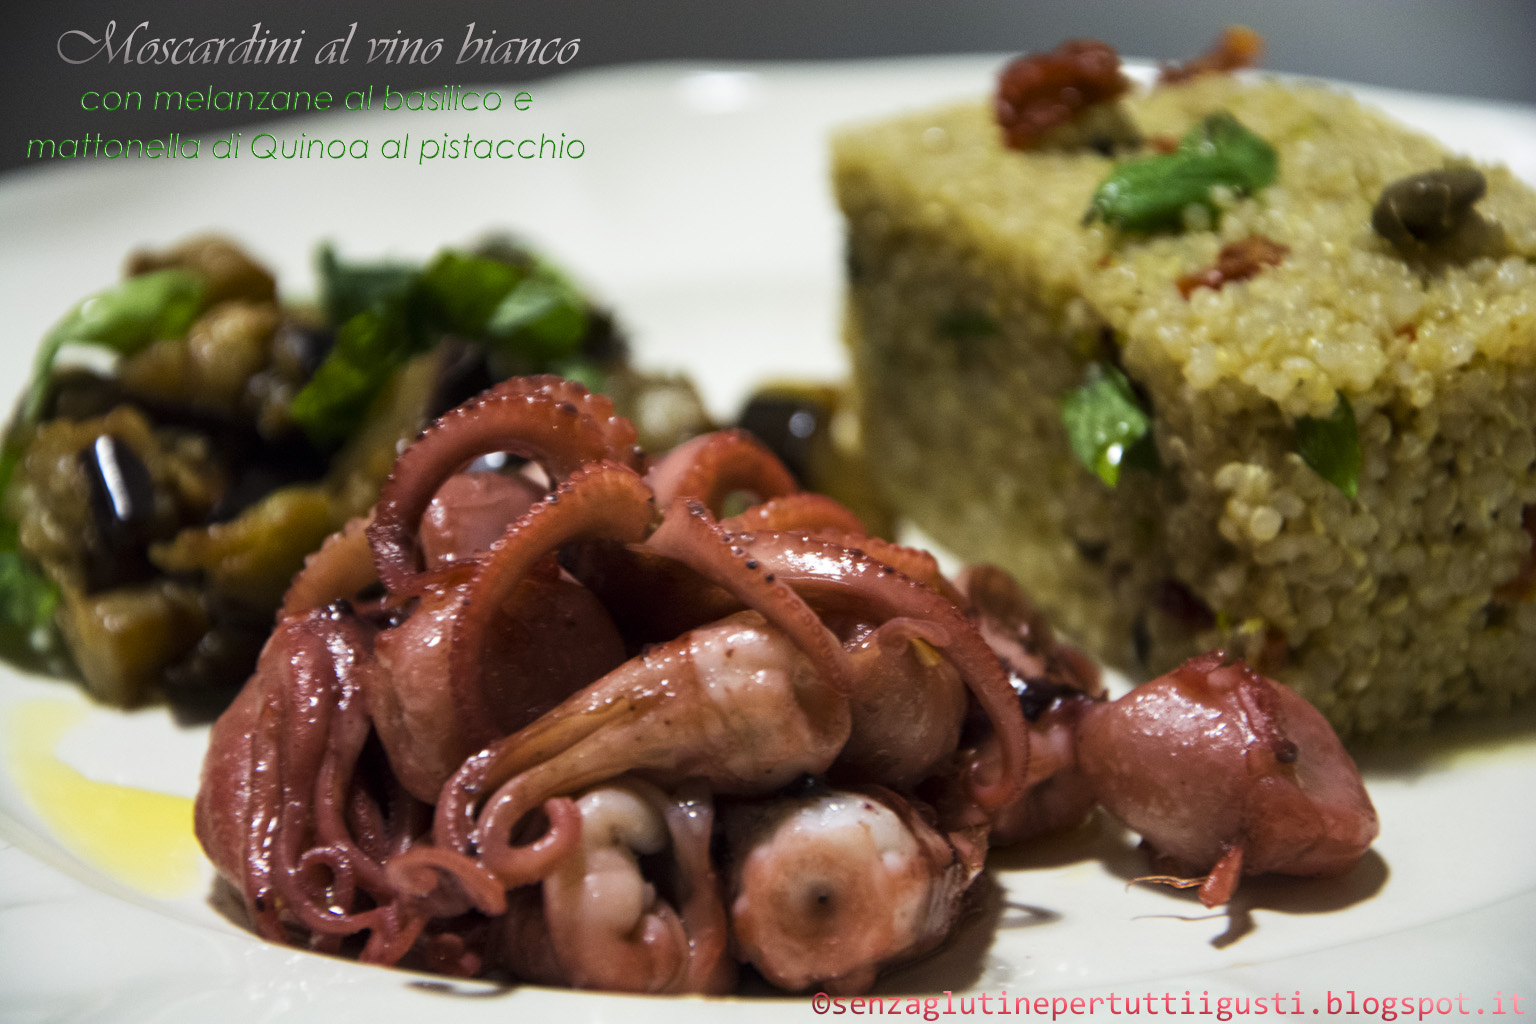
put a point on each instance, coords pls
(1237, 261)
(1523, 584)
(1175, 600)
(1041, 91)
(1268, 652)
(1237, 47)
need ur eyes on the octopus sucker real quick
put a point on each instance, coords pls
(594, 734)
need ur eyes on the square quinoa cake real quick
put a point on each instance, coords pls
(979, 300)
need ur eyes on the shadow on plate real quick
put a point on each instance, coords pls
(1098, 838)
(1451, 740)
(959, 964)
(1282, 894)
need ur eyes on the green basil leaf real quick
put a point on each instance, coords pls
(347, 289)
(1106, 426)
(1151, 194)
(1247, 162)
(369, 348)
(462, 292)
(140, 310)
(1330, 445)
(126, 319)
(544, 317)
(526, 312)
(28, 599)
(585, 372)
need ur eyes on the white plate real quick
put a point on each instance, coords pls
(701, 212)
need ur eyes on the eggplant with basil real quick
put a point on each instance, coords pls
(153, 515)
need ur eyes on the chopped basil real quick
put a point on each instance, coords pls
(347, 289)
(125, 318)
(1151, 194)
(515, 306)
(1330, 445)
(28, 599)
(463, 291)
(369, 348)
(543, 316)
(1107, 427)
(140, 310)
(586, 372)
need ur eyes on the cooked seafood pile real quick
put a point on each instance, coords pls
(596, 722)
(155, 511)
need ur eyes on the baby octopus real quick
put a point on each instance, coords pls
(1227, 773)
(570, 723)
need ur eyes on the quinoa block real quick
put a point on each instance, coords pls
(979, 300)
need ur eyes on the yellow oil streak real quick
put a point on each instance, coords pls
(141, 838)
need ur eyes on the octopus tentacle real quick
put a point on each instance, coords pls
(690, 818)
(824, 572)
(329, 722)
(804, 510)
(521, 865)
(348, 732)
(1057, 793)
(651, 598)
(556, 423)
(712, 467)
(920, 565)
(1022, 638)
(415, 872)
(391, 935)
(291, 786)
(457, 815)
(605, 500)
(302, 713)
(607, 927)
(735, 704)
(547, 637)
(689, 535)
(1221, 883)
(341, 567)
(509, 865)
